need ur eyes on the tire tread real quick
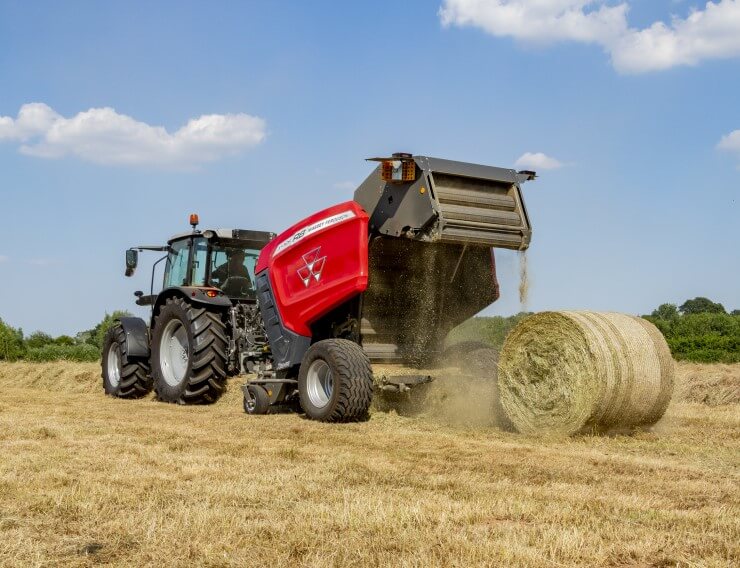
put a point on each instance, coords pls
(136, 380)
(207, 377)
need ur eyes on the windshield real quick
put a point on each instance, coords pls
(232, 270)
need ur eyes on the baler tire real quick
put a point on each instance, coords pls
(204, 379)
(351, 378)
(123, 376)
(259, 398)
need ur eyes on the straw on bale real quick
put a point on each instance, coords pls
(571, 372)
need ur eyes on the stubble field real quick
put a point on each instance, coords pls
(86, 480)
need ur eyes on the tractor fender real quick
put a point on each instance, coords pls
(137, 336)
(192, 294)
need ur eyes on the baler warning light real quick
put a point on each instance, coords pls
(398, 170)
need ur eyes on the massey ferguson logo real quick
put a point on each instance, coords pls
(312, 269)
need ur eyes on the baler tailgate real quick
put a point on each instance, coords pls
(430, 259)
(480, 211)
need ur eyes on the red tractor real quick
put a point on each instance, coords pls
(382, 278)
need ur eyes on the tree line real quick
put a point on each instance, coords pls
(698, 330)
(40, 346)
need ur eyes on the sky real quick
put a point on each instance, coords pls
(118, 119)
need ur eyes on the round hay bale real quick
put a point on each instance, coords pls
(571, 372)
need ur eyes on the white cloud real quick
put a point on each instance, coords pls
(539, 20)
(712, 33)
(103, 136)
(731, 143)
(537, 161)
(33, 119)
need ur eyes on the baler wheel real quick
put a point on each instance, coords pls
(123, 376)
(335, 382)
(256, 400)
(188, 353)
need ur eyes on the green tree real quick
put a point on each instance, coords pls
(11, 342)
(64, 340)
(701, 305)
(704, 337)
(735, 313)
(668, 312)
(96, 335)
(38, 339)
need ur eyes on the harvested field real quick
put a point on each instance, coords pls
(712, 385)
(86, 479)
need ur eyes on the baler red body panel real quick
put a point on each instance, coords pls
(317, 264)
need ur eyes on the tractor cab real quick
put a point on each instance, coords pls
(223, 259)
(216, 258)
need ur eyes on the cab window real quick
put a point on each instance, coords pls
(200, 257)
(232, 270)
(176, 270)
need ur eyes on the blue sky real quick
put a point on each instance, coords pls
(256, 114)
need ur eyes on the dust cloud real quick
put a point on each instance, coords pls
(464, 392)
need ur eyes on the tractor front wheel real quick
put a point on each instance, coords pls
(123, 376)
(335, 381)
(188, 353)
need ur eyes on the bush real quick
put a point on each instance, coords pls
(96, 335)
(11, 343)
(64, 340)
(702, 337)
(38, 339)
(54, 352)
(42, 347)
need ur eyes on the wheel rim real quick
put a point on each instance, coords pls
(174, 353)
(319, 383)
(113, 362)
(250, 401)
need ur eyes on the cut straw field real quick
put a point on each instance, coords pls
(86, 480)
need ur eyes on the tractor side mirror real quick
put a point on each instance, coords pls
(132, 260)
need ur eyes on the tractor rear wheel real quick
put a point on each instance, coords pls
(335, 382)
(123, 376)
(188, 353)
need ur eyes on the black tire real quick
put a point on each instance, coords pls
(204, 379)
(256, 400)
(123, 376)
(351, 393)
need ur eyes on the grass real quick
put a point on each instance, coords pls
(87, 480)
